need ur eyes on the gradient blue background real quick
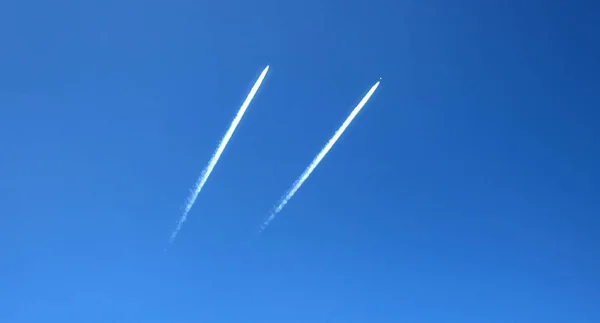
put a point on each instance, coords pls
(466, 190)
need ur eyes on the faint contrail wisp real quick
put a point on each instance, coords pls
(217, 154)
(298, 183)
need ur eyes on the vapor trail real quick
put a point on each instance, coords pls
(298, 183)
(217, 154)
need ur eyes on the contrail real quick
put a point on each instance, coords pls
(298, 183)
(217, 154)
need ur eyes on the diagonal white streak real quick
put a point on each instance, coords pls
(298, 183)
(217, 154)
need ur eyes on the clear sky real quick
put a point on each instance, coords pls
(467, 190)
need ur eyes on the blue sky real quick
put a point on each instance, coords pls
(465, 191)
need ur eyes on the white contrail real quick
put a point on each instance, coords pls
(319, 157)
(215, 157)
